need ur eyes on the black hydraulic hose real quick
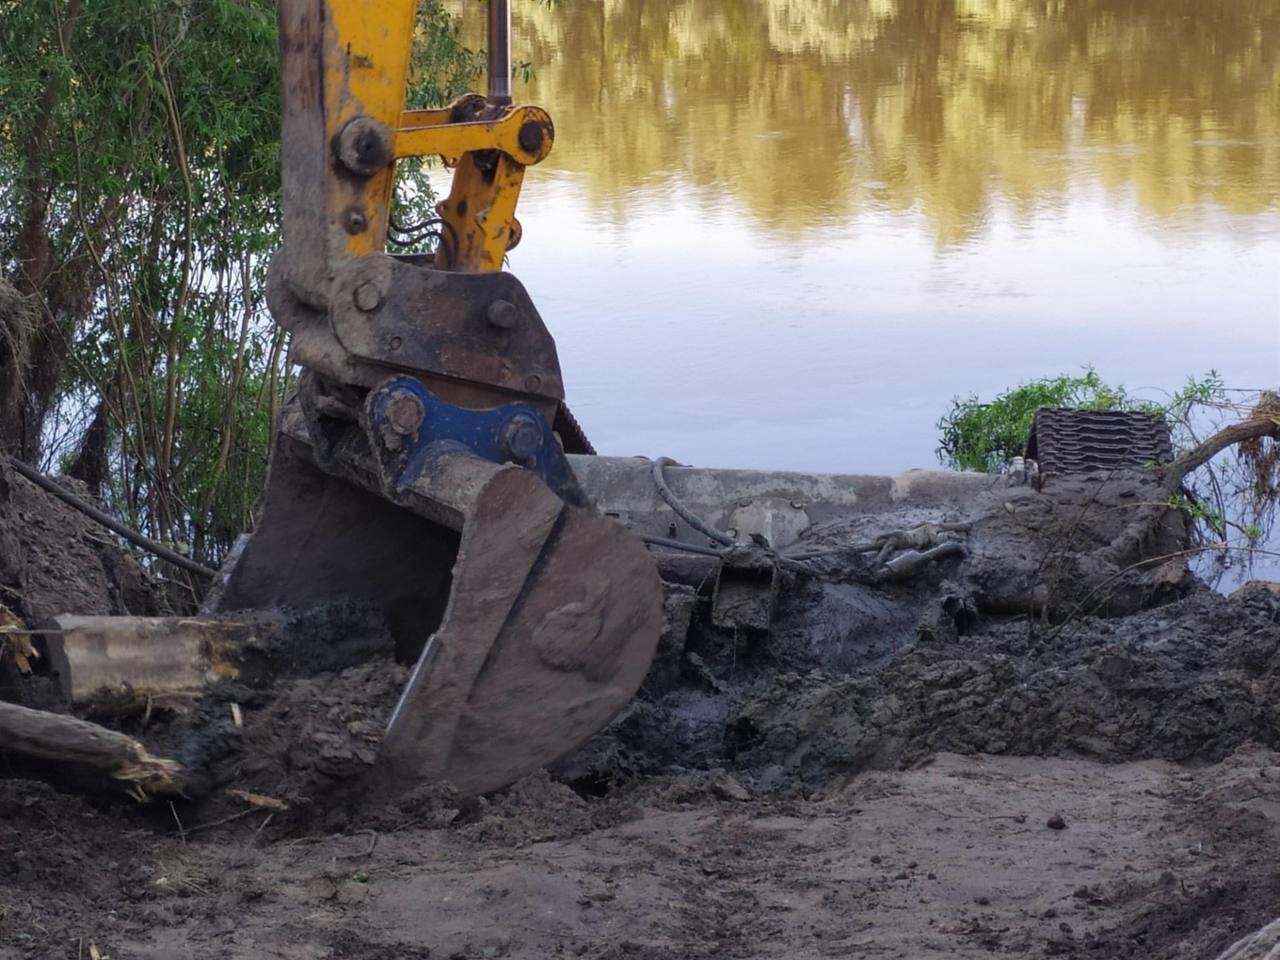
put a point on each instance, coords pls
(687, 515)
(686, 547)
(112, 524)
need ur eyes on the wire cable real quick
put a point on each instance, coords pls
(112, 524)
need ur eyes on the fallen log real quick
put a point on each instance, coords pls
(115, 667)
(53, 736)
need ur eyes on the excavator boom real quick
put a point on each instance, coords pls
(422, 463)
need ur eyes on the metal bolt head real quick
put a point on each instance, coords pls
(531, 136)
(354, 220)
(502, 314)
(364, 146)
(367, 296)
(405, 413)
(521, 437)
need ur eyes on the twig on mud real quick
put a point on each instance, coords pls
(1019, 817)
(298, 841)
(181, 832)
(370, 833)
(1265, 795)
(218, 823)
(373, 842)
(909, 562)
(263, 825)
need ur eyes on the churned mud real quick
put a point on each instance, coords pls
(893, 771)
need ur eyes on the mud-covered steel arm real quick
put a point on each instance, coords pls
(345, 73)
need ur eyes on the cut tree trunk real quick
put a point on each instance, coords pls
(121, 666)
(54, 736)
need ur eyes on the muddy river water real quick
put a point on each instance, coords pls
(785, 233)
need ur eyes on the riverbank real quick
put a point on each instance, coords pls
(864, 780)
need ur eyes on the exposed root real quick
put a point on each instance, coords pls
(146, 775)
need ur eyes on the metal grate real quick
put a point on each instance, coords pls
(1088, 441)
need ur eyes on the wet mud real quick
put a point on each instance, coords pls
(902, 770)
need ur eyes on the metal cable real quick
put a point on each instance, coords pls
(112, 524)
(686, 547)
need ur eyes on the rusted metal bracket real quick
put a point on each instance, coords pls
(744, 594)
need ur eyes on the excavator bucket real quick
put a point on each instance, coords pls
(530, 622)
(421, 466)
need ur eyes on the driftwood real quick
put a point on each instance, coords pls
(1127, 547)
(65, 739)
(112, 667)
(1262, 945)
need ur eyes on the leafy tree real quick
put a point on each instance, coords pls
(984, 436)
(139, 169)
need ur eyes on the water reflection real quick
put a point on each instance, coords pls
(785, 233)
(811, 111)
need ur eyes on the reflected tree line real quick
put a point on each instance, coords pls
(803, 110)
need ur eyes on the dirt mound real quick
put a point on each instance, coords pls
(53, 559)
(302, 731)
(1191, 680)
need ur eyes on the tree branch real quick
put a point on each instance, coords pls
(1127, 545)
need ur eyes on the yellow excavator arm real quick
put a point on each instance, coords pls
(421, 465)
(364, 48)
(451, 317)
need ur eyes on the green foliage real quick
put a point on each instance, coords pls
(1213, 520)
(985, 436)
(440, 69)
(151, 127)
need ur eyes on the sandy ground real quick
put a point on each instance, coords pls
(954, 859)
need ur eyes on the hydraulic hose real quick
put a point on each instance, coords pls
(687, 515)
